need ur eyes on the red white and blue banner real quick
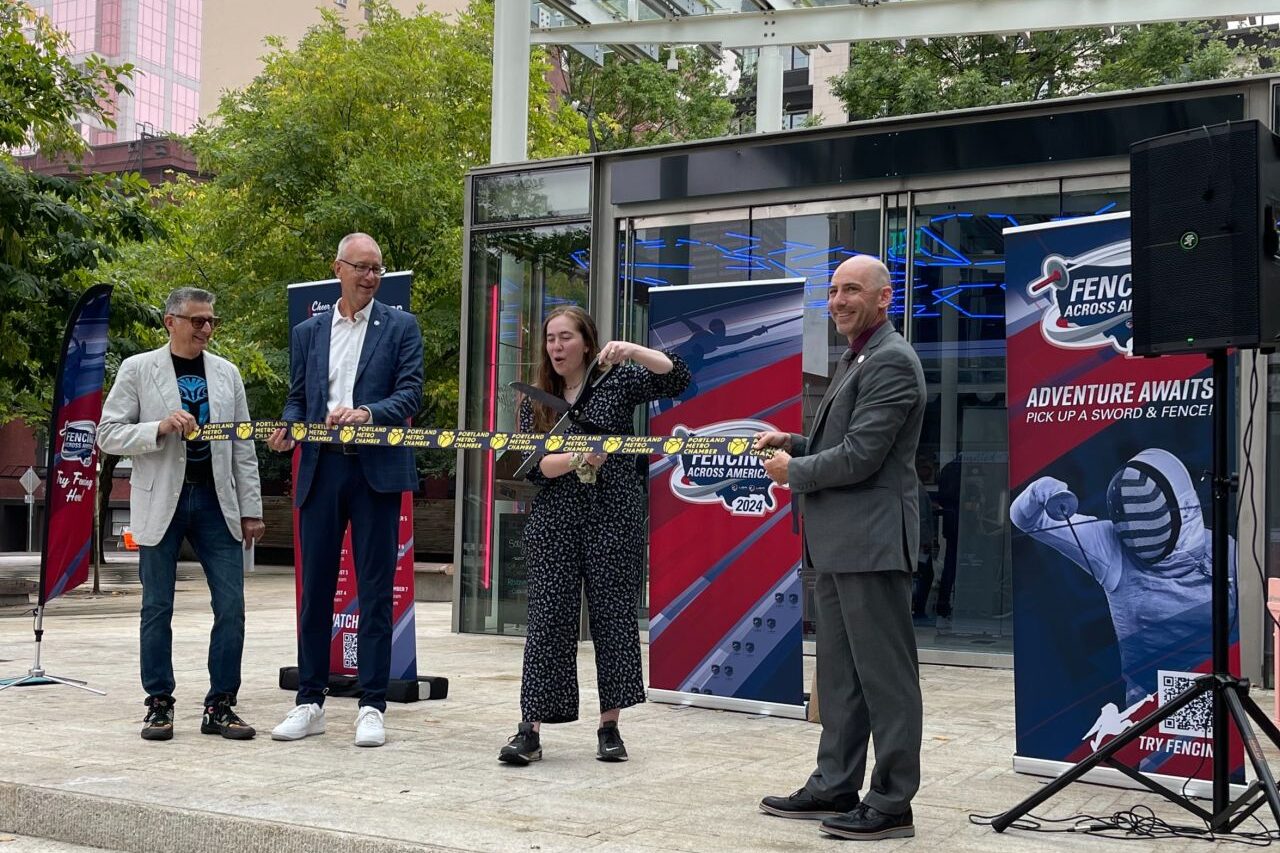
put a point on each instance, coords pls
(1112, 555)
(725, 593)
(305, 300)
(71, 484)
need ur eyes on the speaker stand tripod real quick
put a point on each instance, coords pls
(1229, 694)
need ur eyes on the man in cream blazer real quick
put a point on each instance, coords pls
(206, 492)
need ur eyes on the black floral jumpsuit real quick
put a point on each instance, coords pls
(590, 533)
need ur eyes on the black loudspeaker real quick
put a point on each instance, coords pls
(1205, 269)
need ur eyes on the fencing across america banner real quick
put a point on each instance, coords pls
(1109, 509)
(724, 588)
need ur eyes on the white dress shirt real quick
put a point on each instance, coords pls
(346, 340)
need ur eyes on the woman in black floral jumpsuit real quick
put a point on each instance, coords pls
(583, 532)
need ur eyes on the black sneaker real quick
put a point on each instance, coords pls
(806, 806)
(220, 719)
(158, 724)
(867, 824)
(523, 747)
(610, 743)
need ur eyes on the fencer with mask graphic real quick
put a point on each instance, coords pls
(1152, 556)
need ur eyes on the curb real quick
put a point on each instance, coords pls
(134, 827)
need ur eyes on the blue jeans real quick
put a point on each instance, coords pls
(198, 518)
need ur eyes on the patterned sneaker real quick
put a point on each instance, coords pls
(220, 719)
(610, 743)
(524, 746)
(158, 724)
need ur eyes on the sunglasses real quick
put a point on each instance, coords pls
(199, 323)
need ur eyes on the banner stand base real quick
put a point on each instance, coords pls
(728, 703)
(398, 689)
(36, 675)
(1199, 788)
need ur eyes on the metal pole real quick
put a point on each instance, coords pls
(769, 89)
(31, 523)
(1221, 591)
(509, 109)
(96, 540)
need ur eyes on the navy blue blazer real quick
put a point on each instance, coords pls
(388, 383)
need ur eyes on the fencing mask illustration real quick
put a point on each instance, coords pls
(1144, 509)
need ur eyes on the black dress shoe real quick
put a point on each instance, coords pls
(867, 824)
(806, 806)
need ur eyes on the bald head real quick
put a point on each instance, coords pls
(859, 295)
(866, 267)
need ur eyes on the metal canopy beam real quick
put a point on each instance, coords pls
(904, 19)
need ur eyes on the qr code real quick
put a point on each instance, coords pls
(349, 659)
(1195, 719)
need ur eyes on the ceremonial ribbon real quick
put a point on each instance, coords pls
(450, 439)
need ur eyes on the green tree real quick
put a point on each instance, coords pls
(370, 131)
(55, 233)
(888, 78)
(630, 104)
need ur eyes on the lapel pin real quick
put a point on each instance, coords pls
(377, 322)
(861, 359)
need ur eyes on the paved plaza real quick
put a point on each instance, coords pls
(74, 770)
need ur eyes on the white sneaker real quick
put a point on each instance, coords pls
(303, 720)
(369, 729)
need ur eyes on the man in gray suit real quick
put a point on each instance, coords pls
(857, 481)
(206, 492)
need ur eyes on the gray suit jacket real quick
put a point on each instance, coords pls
(857, 471)
(146, 392)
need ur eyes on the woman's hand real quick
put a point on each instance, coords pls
(616, 352)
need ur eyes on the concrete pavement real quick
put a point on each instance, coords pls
(73, 769)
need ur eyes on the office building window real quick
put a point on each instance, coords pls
(186, 39)
(149, 103)
(78, 19)
(186, 109)
(796, 59)
(109, 15)
(795, 118)
(153, 30)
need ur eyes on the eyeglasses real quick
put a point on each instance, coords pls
(362, 269)
(199, 323)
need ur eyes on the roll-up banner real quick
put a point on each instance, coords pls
(725, 593)
(1108, 466)
(305, 300)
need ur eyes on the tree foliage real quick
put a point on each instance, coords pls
(888, 78)
(55, 233)
(630, 104)
(367, 131)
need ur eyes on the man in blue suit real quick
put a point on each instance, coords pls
(360, 363)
